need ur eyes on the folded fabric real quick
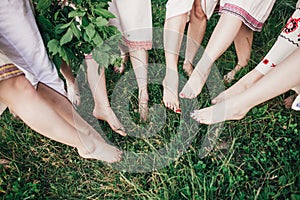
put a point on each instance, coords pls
(252, 13)
(134, 21)
(179, 7)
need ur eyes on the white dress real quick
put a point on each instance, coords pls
(253, 13)
(179, 7)
(134, 21)
(22, 43)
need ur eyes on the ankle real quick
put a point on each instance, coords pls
(101, 110)
(171, 76)
(101, 104)
(86, 146)
(242, 64)
(143, 93)
(171, 72)
(241, 106)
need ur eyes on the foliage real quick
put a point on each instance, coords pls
(73, 29)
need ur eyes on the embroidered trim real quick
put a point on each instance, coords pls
(291, 25)
(147, 45)
(266, 61)
(8, 71)
(248, 19)
(291, 41)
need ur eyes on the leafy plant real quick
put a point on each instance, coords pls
(75, 28)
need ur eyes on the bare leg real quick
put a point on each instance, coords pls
(266, 88)
(65, 109)
(173, 33)
(243, 44)
(195, 34)
(72, 86)
(243, 84)
(43, 119)
(223, 35)
(279, 51)
(139, 60)
(102, 109)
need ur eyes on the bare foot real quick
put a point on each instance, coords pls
(73, 92)
(97, 149)
(188, 68)
(143, 104)
(195, 84)
(243, 84)
(170, 98)
(230, 92)
(289, 101)
(221, 97)
(108, 115)
(230, 76)
(220, 112)
(122, 67)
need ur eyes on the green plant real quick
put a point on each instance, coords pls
(79, 27)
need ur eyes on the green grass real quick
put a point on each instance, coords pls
(261, 160)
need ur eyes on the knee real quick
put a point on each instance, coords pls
(21, 85)
(198, 14)
(15, 89)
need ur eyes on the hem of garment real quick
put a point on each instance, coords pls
(242, 14)
(8, 71)
(137, 45)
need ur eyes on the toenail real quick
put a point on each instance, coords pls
(178, 110)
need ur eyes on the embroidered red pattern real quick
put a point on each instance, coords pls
(147, 45)
(291, 25)
(265, 61)
(248, 19)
